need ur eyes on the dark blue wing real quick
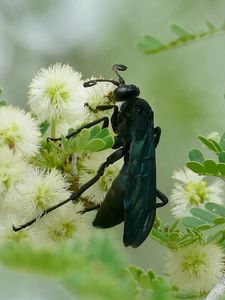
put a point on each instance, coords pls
(111, 211)
(140, 198)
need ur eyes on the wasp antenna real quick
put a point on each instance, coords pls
(89, 83)
(119, 67)
(94, 82)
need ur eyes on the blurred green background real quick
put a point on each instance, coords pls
(184, 86)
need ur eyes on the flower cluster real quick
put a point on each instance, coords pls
(191, 190)
(58, 98)
(197, 266)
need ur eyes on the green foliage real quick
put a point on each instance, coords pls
(59, 154)
(44, 127)
(93, 273)
(150, 286)
(202, 166)
(2, 102)
(212, 216)
(151, 45)
(173, 237)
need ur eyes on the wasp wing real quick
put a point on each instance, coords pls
(111, 211)
(140, 198)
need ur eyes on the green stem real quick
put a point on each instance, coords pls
(53, 129)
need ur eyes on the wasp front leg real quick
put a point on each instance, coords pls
(105, 121)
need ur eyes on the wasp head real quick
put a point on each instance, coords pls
(123, 91)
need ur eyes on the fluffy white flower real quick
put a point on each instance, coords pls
(191, 190)
(57, 93)
(19, 131)
(7, 234)
(13, 171)
(89, 166)
(41, 190)
(99, 94)
(196, 267)
(65, 225)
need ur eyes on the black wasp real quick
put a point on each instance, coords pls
(132, 195)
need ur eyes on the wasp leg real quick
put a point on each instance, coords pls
(157, 134)
(105, 121)
(109, 161)
(162, 197)
(118, 142)
(104, 107)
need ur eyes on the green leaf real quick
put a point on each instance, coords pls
(204, 227)
(221, 168)
(70, 131)
(222, 141)
(3, 103)
(72, 145)
(84, 137)
(102, 133)
(179, 31)
(174, 236)
(94, 131)
(95, 145)
(222, 157)
(216, 145)
(44, 127)
(196, 167)
(144, 281)
(196, 155)
(207, 143)
(210, 167)
(135, 271)
(216, 208)
(192, 222)
(65, 143)
(109, 142)
(210, 26)
(215, 237)
(202, 214)
(151, 44)
(150, 274)
(159, 235)
(219, 221)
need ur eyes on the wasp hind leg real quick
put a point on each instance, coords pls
(161, 197)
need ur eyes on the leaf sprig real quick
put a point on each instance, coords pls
(58, 155)
(151, 45)
(202, 166)
(207, 218)
(173, 237)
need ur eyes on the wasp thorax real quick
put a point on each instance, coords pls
(126, 92)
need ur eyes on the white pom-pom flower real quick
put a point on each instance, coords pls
(19, 131)
(90, 163)
(57, 93)
(196, 268)
(99, 94)
(191, 190)
(64, 225)
(41, 190)
(13, 171)
(7, 235)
